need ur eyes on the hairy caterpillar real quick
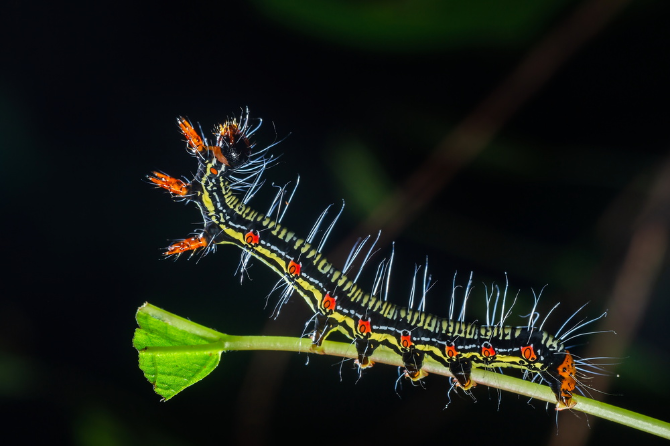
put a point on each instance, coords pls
(229, 174)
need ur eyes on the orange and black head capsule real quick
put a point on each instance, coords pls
(233, 140)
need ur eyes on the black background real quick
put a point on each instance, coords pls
(89, 94)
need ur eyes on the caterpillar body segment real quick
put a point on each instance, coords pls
(227, 177)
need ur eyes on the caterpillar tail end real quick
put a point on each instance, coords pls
(563, 383)
(565, 403)
(172, 185)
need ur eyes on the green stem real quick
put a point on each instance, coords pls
(187, 347)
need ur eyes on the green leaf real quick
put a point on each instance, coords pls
(174, 352)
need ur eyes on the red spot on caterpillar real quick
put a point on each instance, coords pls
(567, 372)
(252, 238)
(487, 350)
(451, 351)
(406, 340)
(168, 183)
(294, 268)
(328, 302)
(528, 353)
(213, 171)
(188, 244)
(364, 326)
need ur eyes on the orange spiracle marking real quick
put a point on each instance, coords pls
(406, 340)
(294, 268)
(451, 350)
(188, 244)
(364, 326)
(567, 371)
(487, 350)
(252, 238)
(172, 185)
(328, 303)
(528, 353)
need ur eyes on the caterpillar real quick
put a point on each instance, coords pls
(228, 176)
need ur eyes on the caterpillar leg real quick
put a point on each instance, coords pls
(413, 361)
(365, 348)
(172, 185)
(461, 370)
(364, 345)
(412, 358)
(323, 325)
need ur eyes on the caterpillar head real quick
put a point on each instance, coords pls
(232, 147)
(232, 140)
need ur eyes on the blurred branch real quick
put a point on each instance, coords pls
(481, 126)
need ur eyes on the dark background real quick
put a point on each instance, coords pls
(570, 192)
